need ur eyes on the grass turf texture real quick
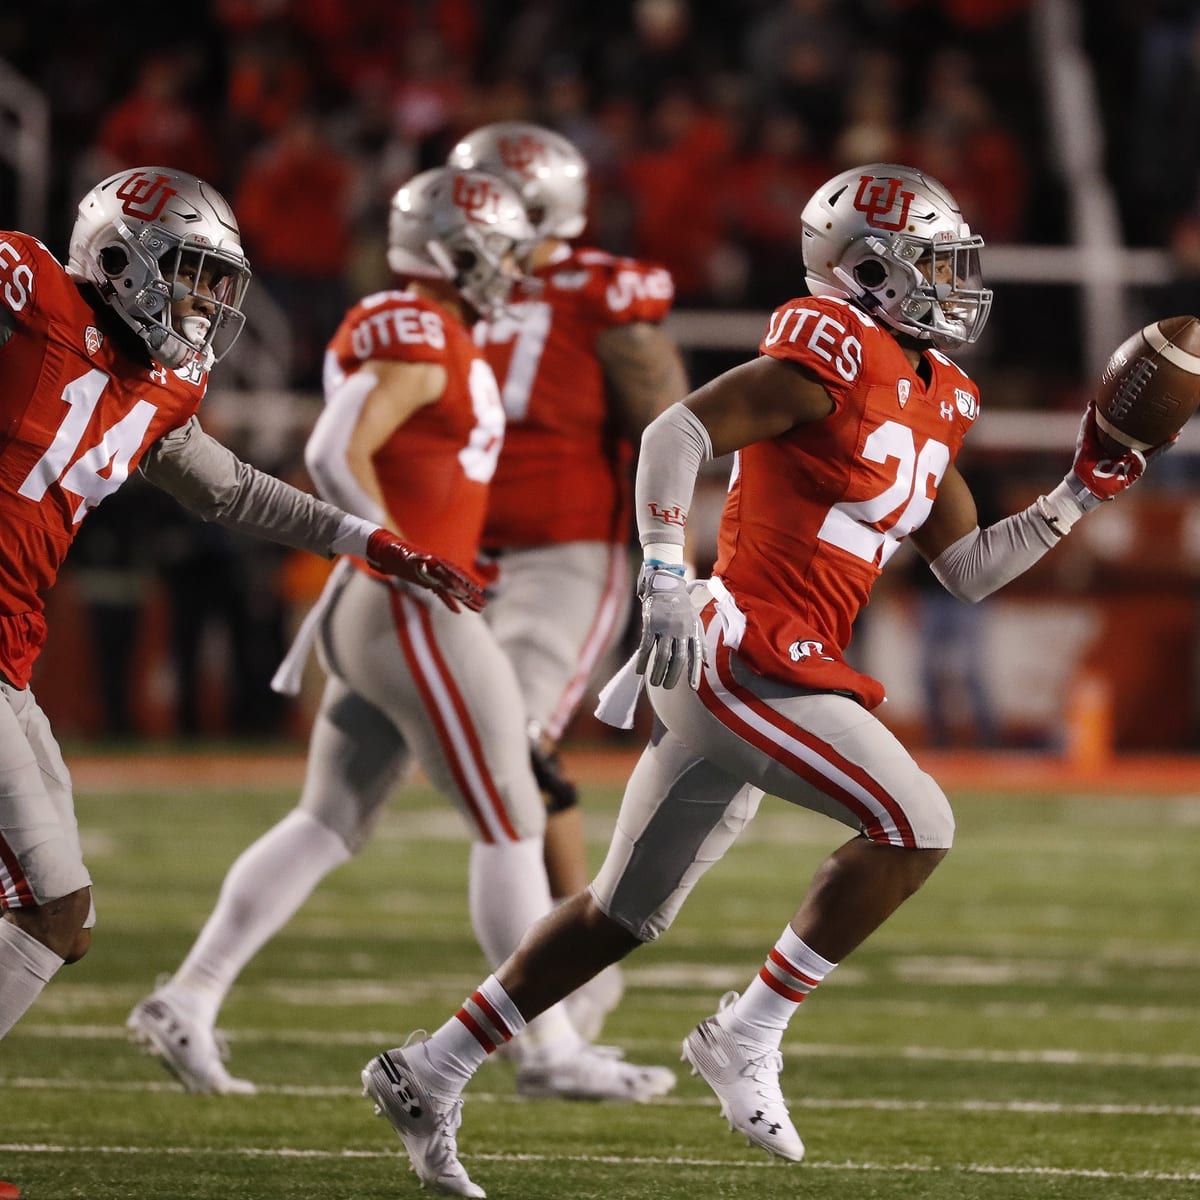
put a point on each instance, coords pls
(1025, 1026)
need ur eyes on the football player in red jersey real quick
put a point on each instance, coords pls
(103, 365)
(411, 430)
(584, 366)
(845, 430)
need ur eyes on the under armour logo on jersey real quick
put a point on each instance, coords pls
(93, 339)
(903, 391)
(143, 196)
(669, 516)
(522, 153)
(477, 198)
(883, 203)
(802, 651)
(947, 410)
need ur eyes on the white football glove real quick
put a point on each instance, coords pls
(672, 635)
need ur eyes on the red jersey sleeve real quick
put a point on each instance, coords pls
(619, 291)
(30, 277)
(823, 337)
(395, 326)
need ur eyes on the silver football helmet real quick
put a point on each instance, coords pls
(545, 170)
(893, 241)
(465, 226)
(150, 237)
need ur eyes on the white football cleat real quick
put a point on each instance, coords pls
(744, 1074)
(591, 1073)
(589, 1005)
(402, 1083)
(193, 1052)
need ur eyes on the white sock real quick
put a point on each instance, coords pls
(488, 1018)
(791, 972)
(508, 893)
(26, 966)
(262, 891)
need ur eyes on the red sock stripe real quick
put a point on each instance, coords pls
(777, 985)
(785, 965)
(500, 1025)
(476, 1030)
(870, 821)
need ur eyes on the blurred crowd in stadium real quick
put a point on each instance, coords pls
(706, 127)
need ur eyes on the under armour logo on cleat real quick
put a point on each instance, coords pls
(408, 1101)
(759, 1119)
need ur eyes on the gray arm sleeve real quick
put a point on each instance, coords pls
(674, 446)
(984, 560)
(208, 479)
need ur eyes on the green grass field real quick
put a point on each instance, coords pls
(1025, 1027)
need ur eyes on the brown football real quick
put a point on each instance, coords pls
(1151, 385)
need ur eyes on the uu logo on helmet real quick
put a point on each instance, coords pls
(521, 153)
(477, 198)
(144, 196)
(885, 205)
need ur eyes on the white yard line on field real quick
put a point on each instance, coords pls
(375, 1039)
(815, 1103)
(617, 1161)
(658, 986)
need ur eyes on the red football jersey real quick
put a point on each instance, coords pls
(564, 473)
(435, 469)
(78, 414)
(813, 515)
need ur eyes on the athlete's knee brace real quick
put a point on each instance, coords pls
(558, 792)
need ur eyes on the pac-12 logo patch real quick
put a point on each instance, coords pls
(93, 339)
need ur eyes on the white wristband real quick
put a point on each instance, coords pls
(663, 552)
(1062, 507)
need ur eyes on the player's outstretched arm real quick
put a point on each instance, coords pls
(971, 563)
(208, 479)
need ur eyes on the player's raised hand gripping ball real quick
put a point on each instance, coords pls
(387, 553)
(1150, 386)
(1102, 468)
